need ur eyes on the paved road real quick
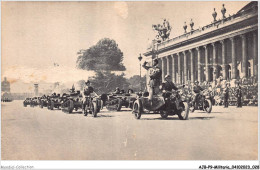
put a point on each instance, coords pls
(40, 134)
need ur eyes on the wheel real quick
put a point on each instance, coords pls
(94, 109)
(137, 109)
(207, 105)
(101, 104)
(71, 106)
(52, 105)
(85, 112)
(98, 105)
(192, 108)
(84, 109)
(119, 105)
(24, 105)
(164, 114)
(183, 113)
(48, 105)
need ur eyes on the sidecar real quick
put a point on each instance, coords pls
(54, 102)
(73, 102)
(163, 104)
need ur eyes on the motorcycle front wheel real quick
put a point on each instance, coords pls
(183, 113)
(207, 106)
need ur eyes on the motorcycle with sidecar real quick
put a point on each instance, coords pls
(73, 102)
(167, 103)
(54, 102)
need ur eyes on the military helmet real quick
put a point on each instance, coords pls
(196, 82)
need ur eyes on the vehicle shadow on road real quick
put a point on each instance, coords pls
(78, 112)
(201, 118)
(110, 111)
(159, 118)
(202, 112)
(176, 118)
(101, 116)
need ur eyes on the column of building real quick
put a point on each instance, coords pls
(173, 69)
(191, 66)
(183, 66)
(224, 65)
(244, 55)
(255, 56)
(234, 61)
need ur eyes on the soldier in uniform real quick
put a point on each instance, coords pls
(88, 91)
(239, 96)
(226, 95)
(155, 74)
(169, 86)
(196, 89)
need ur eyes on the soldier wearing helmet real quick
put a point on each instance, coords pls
(155, 74)
(196, 89)
(168, 85)
(88, 91)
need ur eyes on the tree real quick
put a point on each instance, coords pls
(105, 55)
(105, 82)
(134, 82)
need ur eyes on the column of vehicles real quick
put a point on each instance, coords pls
(166, 103)
(87, 104)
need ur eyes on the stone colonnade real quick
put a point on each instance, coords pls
(184, 67)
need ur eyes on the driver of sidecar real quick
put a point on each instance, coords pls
(169, 86)
(197, 90)
(88, 91)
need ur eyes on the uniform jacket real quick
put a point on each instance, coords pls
(155, 74)
(169, 86)
(197, 89)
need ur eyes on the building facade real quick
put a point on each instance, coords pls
(227, 47)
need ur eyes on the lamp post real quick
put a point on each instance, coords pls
(140, 59)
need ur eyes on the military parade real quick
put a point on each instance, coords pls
(120, 85)
(164, 98)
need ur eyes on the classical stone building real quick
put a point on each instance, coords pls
(227, 47)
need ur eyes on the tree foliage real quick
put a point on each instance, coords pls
(134, 82)
(105, 55)
(105, 82)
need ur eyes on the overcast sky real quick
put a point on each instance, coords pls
(37, 34)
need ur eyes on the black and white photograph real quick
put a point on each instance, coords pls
(129, 81)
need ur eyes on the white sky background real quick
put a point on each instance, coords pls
(37, 34)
